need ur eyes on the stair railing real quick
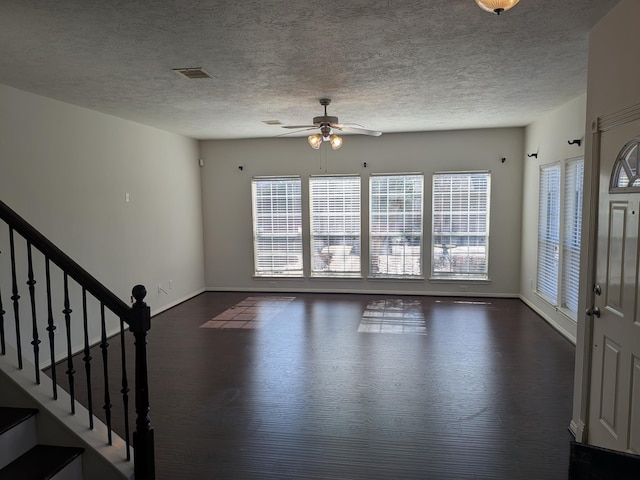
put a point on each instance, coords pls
(137, 318)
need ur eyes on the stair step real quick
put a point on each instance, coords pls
(42, 462)
(10, 417)
(17, 432)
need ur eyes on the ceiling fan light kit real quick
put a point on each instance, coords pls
(315, 140)
(327, 124)
(335, 140)
(497, 6)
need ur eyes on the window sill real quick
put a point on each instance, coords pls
(459, 280)
(561, 310)
(278, 277)
(330, 277)
(393, 279)
(546, 299)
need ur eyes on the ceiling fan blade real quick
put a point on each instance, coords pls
(299, 126)
(297, 131)
(358, 130)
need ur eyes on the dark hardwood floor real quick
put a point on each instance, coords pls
(339, 386)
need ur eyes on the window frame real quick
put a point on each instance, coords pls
(566, 281)
(293, 240)
(329, 249)
(444, 254)
(572, 235)
(398, 230)
(549, 232)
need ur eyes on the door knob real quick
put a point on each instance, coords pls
(593, 312)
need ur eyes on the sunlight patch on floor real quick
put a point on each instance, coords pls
(252, 312)
(393, 316)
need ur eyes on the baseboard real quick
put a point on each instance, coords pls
(564, 332)
(363, 292)
(594, 463)
(576, 427)
(177, 302)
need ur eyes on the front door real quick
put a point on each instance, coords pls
(614, 407)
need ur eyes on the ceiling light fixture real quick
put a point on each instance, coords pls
(315, 141)
(327, 135)
(497, 6)
(327, 124)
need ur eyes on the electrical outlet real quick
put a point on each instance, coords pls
(464, 288)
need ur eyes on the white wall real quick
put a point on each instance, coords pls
(66, 170)
(614, 71)
(613, 84)
(548, 136)
(228, 217)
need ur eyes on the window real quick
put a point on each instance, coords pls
(574, 173)
(559, 227)
(626, 170)
(549, 232)
(460, 230)
(277, 227)
(335, 226)
(395, 248)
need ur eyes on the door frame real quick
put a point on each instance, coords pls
(584, 335)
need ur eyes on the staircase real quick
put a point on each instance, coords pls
(21, 457)
(46, 293)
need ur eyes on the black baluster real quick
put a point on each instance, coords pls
(67, 321)
(104, 345)
(3, 347)
(125, 391)
(143, 444)
(87, 356)
(51, 328)
(32, 296)
(15, 297)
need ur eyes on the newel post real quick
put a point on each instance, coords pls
(144, 465)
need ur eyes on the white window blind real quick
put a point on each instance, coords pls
(335, 226)
(277, 226)
(549, 232)
(460, 230)
(572, 221)
(395, 248)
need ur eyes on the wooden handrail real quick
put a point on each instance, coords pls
(66, 264)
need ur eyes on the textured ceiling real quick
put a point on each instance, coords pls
(392, 65)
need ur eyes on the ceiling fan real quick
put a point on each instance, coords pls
(327, 124)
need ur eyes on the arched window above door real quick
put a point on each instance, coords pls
(625, 176)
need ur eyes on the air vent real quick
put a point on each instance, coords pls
(193, 73)
(272, 122)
